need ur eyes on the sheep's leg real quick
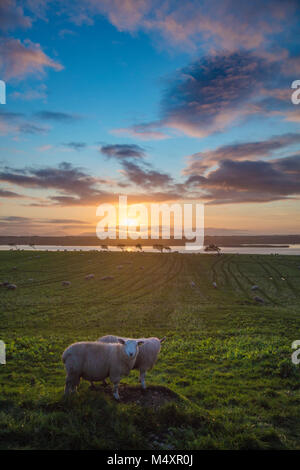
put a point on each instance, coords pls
(143, 379)
(116, 391)
(92, 386)
(71, 384)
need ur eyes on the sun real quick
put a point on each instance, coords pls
(130, 222)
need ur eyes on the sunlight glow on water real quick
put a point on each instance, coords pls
(292, 250)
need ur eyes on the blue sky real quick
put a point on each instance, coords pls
(196, 96)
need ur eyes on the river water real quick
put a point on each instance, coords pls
(292, 250)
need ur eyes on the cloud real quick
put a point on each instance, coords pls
(18, 60)
(14, 123)
(218, 91)
(121, 151)
(144, 178)
(75, 145)
(201, 161)
(56, 116)
(147, 131)
(75, 186)
(11, 122)
(250, 181)
(214, 92)
(17, 219)
(12, 16)
(10, 194)
(39, 92)
(187, 25)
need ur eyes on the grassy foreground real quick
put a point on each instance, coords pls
(227, 358)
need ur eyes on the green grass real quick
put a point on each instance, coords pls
(227, 358)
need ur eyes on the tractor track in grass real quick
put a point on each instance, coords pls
(107, 298)
(196, 272)
(240, 286)
(107, 301)
(251, 282)
(143, 290)
(131, 283)
(223, 262)
(292, 288)
(270, 271)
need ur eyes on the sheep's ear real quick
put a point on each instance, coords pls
(120, 340)
(140, 343)
(163, 339)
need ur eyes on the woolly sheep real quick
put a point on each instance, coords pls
(255, 287)
(66, 283)
(214, 284)
(94, 361)
(259, 300)
(89, 276)
(147, 353)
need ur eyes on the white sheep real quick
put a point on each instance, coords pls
(106, 278)
(214, 284)
(146, 356)
(94, 361)
(89, 276)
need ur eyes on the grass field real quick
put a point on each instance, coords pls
(226, 358)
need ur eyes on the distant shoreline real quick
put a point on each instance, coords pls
(233, 241)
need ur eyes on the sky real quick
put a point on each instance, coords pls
(161, 100)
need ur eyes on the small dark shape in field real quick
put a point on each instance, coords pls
(11, 286)
(259, 300)
(66, 283)
(154, 396)
(5, 283)
(192, 284)
(255, 287)
(106, 278)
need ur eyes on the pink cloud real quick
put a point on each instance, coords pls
(17, 60)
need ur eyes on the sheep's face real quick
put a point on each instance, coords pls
(131, 347)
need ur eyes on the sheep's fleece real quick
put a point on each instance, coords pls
(94, 361)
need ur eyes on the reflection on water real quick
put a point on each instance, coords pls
(291, 250)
